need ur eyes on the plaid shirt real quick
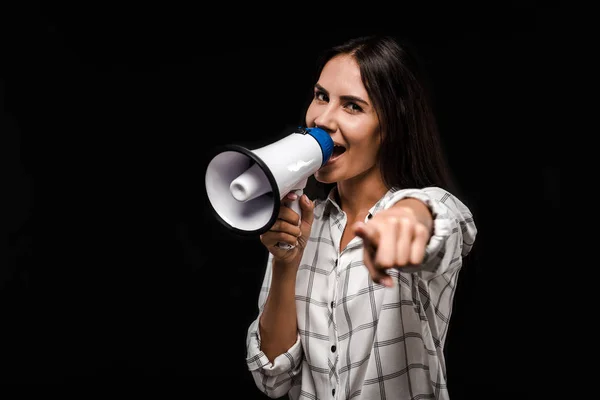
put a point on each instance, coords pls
(357, 339)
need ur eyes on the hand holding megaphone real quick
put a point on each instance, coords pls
(247, 187)
(287, 238)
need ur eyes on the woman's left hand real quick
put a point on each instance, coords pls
(395, 238)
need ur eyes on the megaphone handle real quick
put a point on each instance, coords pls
(294, 205)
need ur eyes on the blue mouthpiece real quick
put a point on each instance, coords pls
(324, 141)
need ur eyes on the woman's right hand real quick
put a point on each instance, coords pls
(290, 228)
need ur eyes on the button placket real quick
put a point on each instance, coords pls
(333, 335)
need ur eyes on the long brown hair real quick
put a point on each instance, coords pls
(411, 153)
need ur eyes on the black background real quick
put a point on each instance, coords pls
(113, 266)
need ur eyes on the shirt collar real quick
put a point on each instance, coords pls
(331, 202)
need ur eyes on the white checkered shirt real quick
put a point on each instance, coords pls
(357, 339)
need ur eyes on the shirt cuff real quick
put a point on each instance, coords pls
(256, 358)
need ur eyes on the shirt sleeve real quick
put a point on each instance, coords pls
(454, 230)
(275, 378)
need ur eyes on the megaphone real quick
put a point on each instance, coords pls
(246, 187)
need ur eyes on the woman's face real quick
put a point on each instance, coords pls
(342, 107)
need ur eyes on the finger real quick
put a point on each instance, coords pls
(281, 225)
(404, 241)
(377, 275)
(271, 239)
(288, 215)
(291, 196)
(362, 232)
(386, 251)
(368, 233)
(417, 251)
(307, 208)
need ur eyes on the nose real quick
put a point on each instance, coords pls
(326, 120)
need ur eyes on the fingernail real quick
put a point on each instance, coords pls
(292, 196)
(385, 281)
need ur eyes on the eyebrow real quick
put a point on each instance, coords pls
(345, 97)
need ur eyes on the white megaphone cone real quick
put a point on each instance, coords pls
(245, 187)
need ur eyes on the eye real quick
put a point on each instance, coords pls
(321, 96)
(354, 107)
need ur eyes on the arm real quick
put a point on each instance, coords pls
(273, 375)
(277, 324)
(274, 352)
(417, 230)
(453, 230)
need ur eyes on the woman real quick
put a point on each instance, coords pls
(359, 308)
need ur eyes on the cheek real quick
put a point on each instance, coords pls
(365, 143)
(369, 153)
(365, 151)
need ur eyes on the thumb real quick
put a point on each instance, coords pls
(307, 207)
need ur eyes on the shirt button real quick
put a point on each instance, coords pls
(332, 304)
(333, 392)
(333, 349)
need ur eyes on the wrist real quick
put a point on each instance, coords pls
(284, 270)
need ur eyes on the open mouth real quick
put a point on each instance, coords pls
(338, 150)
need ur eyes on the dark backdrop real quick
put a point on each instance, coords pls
(113, 267)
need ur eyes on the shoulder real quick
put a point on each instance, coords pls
(439, 200)
(432, 192)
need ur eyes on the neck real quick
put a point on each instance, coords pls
(359, 194)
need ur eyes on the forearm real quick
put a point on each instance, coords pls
(278, 325)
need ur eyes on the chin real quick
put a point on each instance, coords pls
(323, 177)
